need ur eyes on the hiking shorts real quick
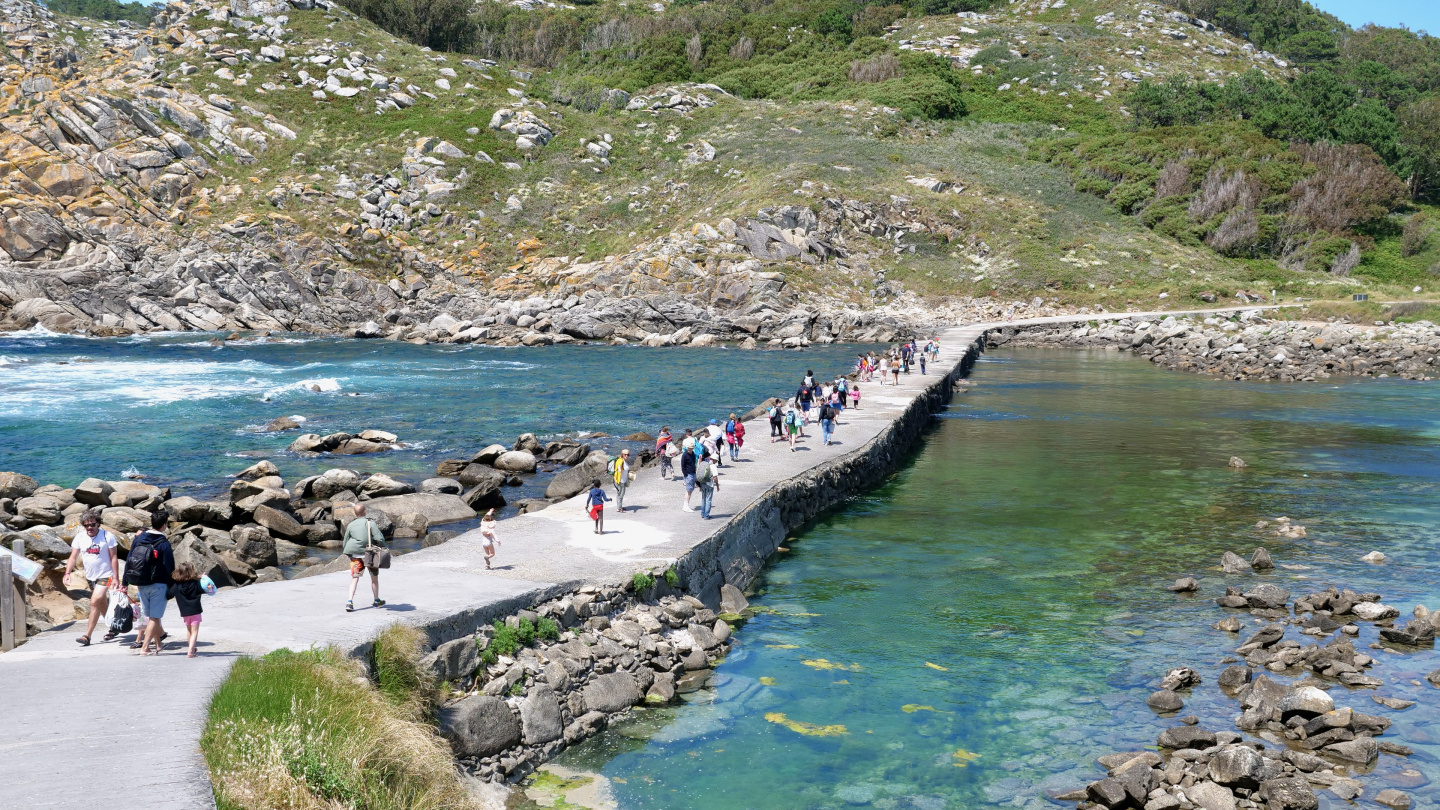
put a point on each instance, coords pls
(152, 600)
(192, 621)
(690, 483)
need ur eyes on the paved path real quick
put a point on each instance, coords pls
(70, 736)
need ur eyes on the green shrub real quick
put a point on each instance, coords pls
(505, 642)
(672, 577)
(547, 629)
(642, 581)
(993, 55)
(525, 632)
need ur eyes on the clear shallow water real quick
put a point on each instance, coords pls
(1023, 554)
(185, 412)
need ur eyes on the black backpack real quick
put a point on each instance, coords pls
(143, 564)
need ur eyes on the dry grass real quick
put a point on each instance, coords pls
(879, 68)
(306, 731)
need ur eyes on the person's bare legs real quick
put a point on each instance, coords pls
(375, 583)
(192, 633)
(153, 631)
(354, 584)
(99, 603)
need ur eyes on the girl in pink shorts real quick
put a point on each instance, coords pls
(186, 592)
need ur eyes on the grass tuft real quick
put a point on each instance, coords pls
(306, 730)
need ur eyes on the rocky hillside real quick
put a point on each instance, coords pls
(287, 165)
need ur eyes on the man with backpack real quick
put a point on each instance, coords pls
(709, 480)
(622, 476)
(148, 567)
(777, 430)
(363, 542)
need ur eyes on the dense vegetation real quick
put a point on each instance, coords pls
(1380, 88)
(1293, 28)
(140, 13)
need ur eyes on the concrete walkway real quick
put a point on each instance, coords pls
(71, 735)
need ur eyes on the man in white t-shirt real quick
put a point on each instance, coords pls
(95, 548)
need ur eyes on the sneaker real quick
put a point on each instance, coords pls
(378, 603)
(349, 607)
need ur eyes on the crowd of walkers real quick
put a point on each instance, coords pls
(141, 595)
(899, 360)
(701, 455)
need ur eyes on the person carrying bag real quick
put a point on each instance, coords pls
(365, 546)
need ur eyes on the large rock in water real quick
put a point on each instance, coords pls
(479, 726)
(1288, 793)
(435, 507)
(1210, 796)
(518, 461)
(1237, 766)
(15, 486)
(1306, 701)
(1232, 563)
(540, 716)
(454, 661)
(612, 693)
(254, 546)
(193, 550)
(1186, 737)
(279, 523)
(576, 480)
(93, 492)
(380, 485)
(474, 475)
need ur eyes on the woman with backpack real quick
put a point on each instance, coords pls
(792, 427)
(777, 428)
(148, 567)
(364, 544)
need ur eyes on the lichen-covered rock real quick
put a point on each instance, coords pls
(479, 726)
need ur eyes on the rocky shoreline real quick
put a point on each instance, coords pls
(1294, 738)
(264, 524)
(1247, 346)
(593, 655)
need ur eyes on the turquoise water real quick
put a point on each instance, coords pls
(1002, 598)
(184, 412)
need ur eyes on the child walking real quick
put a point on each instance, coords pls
(596, 504)
(187, 592)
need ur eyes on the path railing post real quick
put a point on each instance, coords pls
(7, 606)
(21, 621)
